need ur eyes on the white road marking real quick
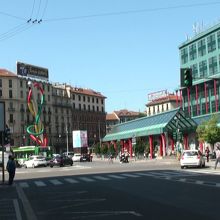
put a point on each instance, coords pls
(199, 182)
(17, 209)
(28, 209)
(23, 184)
(117, 177)
(129, 175)
(101, 178)
(40, 183)
(56, 182)
(70, 180)
(86, 179)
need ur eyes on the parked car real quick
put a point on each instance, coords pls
(35, 161)
(60, 161)
(76, 157)
(86, 157)
(69, 154)
(192, 158)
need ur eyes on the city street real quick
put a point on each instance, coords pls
(101, 190)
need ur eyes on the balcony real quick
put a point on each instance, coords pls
(10, 109)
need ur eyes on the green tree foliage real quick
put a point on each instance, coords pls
(97, 149)
(104, 149)
(111, 150)
(208, 131)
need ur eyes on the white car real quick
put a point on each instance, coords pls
(76, 157)
(35, 161)
(192, 158)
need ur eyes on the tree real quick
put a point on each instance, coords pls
(208, 131)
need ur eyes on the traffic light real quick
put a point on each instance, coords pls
(7, 136)
(187, 77)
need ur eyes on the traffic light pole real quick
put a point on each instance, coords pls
(3, 158)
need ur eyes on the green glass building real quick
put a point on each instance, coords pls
(201, 53)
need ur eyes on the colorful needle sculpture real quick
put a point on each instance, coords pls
(37, 129)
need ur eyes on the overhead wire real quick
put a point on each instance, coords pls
(12, 16)
(147, 10)
(14, 31)
(24, 26)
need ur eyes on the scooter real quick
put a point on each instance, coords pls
(124, 159)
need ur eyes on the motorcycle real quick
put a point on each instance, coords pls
(124, 159)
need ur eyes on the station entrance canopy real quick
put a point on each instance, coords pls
(168, 122)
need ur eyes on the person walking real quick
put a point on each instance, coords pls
(207, 154)
(217, 157)
(11, 168)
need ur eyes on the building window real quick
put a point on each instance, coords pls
(167, 106)
(84, 107)
(11, 118)
(10, 83)
(0, 82)
(88, 99)
(93, 108)
(73, 96)
(213, 65)
(211, 43)
(21, 94)
(203, 68)
(192, 52)
(89, 107)
(195, 72)
(0, 93)
(184, 55)
(21, 83)
(92, 99)
(97, 100)
(218, 39)
(79, 106)
(84, 98)
(201, 48)
(48, 98)
(79, 97)
(74, 105)
(97, 108)
(10, 94)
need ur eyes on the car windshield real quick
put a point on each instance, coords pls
(190, 153)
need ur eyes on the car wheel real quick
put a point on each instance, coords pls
(203, 165)
(71, 164)
(25, 166)
(182, 167)
(51, 166)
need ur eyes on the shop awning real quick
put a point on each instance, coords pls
(168, 121)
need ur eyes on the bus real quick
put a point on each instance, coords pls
(21, 154)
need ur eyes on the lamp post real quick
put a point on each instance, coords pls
(67, 149)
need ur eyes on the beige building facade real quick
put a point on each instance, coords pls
(65, 109)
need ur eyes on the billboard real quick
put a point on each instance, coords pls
(27, 70)
(156, 95)
(80, 139)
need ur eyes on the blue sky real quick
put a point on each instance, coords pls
(124, 49)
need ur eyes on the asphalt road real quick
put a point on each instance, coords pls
(100, 190)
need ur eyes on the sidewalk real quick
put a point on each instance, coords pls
(159, 160)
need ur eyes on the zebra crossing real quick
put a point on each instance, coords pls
(173, 175)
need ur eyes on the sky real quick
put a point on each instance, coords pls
(124, 49)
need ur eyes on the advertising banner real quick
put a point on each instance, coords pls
(80, 139)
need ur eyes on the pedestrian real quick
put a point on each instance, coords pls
(11, 167)
(217, 157)
(207, 154)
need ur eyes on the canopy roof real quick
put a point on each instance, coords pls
(168, 121)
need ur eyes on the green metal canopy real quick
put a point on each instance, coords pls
(168, 121)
